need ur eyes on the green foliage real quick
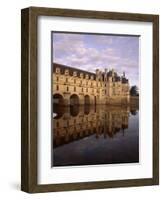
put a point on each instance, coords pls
(134, 91)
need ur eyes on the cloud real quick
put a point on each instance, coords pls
(89, 52)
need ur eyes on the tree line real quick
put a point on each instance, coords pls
(134, 91)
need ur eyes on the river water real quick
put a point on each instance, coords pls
(93, 135)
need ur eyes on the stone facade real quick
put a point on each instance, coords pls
(72, 86)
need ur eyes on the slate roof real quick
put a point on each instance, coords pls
(72, 69)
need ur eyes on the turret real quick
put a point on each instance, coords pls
(97, 74)
(105, 75)
(100, 75)
(112, 72)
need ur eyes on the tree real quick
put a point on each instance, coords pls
(134, 91)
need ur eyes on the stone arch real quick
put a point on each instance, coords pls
(58, 106)
(74, 100)
(58, 99)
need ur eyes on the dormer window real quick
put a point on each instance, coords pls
(57, 70)
(66, 72)
(81, 75)
(87, 76)
(74, 73)
(92, 77)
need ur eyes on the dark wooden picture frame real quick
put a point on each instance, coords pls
(29, 87)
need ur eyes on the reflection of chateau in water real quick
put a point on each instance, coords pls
(76, 122)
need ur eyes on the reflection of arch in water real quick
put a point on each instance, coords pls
(58, 102)
(78, 126)
(74, 100)
(74, 110)
(95, 100)
(133, 112)
(86, 100)
(86, 109)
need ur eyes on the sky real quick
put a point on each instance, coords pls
(91, 51)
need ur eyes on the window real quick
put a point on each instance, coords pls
(74, 89)
(75, 73)
(67, 88)
(57, 78)
(66, 72)
(57, 88)
(66, 80)
(57, 70)
(81, 75)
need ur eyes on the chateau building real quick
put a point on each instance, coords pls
(72, 86)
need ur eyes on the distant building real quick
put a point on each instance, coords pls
(72, 86)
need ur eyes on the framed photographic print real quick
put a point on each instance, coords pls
(90, 99)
